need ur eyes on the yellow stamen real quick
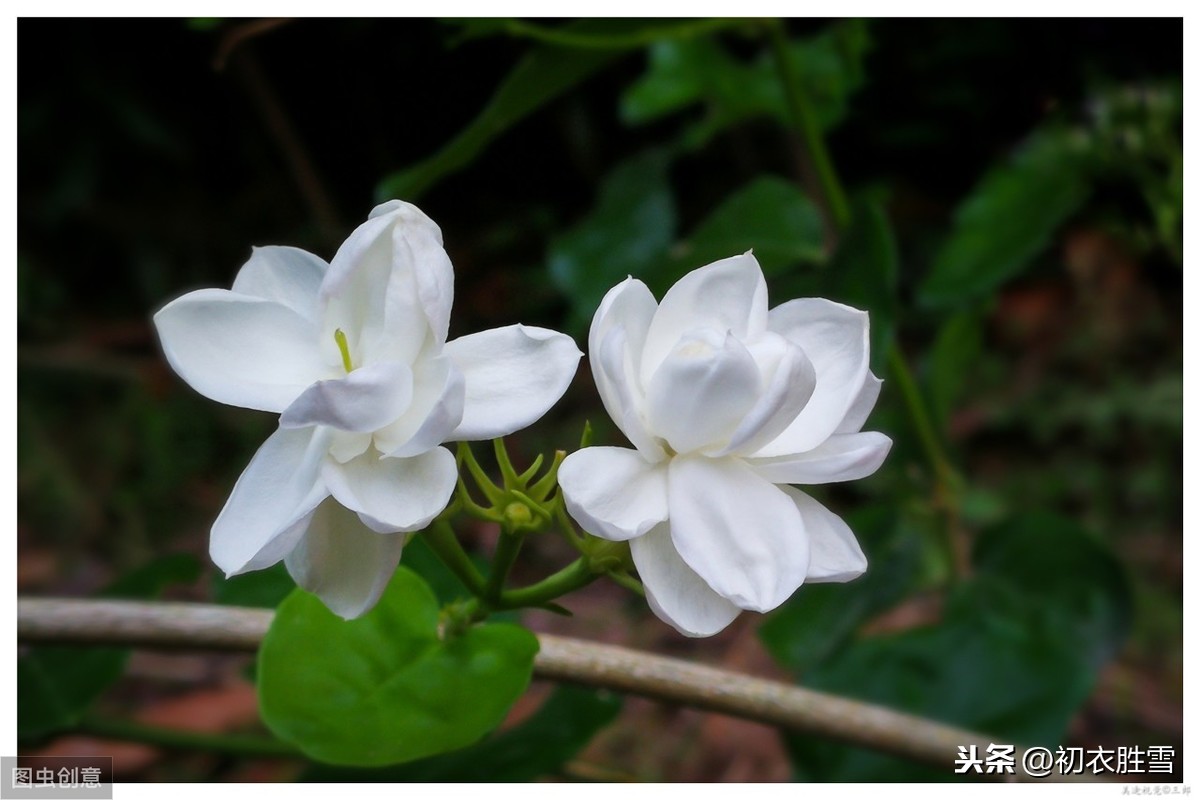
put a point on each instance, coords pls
(344, 347)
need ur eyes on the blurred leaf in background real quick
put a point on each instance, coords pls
(1016, 651)
(682, 74)
(57, 685)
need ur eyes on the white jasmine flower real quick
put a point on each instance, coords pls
(353, 355)
(726, 403)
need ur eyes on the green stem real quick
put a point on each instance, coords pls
(565, 525)
(491, 491)
(232, 744)
(630, 583)
(574, 576)
(946, 480)
(586, 41)
(506, 555)
(468, 504)
(547, 482)
(915, 405)
(507, 471)
(806, 125)
(526, 476)
(441, 539)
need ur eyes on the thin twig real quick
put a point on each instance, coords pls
(195, 626)
(287, 139)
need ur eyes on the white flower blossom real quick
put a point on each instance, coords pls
(726, 403)
(353, 355)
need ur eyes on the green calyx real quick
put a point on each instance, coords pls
(521, 503)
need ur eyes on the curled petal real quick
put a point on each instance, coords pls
(702, 391)
(432, 271)
(836, 556)
(363, 401)
(394, 494)
(861, 408)
(842, 457)
(436, 410)
(345, 445)
(727, 296)
(676, 594)
(613, 492)
(239, 349)
(790, 381)
(741, 534)
(513, 376)
(615, 343)
(288, 275)
(389, 288)
(835, 338)
(613, 366)
(270, 503)
(344, 562)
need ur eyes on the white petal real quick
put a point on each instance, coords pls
(741, 534)
(702, 391)
(344, 562)
(363, 401)
(836, 556)
(436, 410)
(373, 289)
(861, 408)
(345, 445)
(613, 492)
(279, 489)
(842, 457)
(677, 595)
(238, 349)
(513, 375)
(628, 308)
(627, 401)
(431, 268)
(726, 296)
(287, 275)
(790, 380)
(836, 339)
(394, 494)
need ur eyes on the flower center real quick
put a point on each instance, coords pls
(344, 349)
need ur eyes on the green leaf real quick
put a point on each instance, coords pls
(628, 232)
(264, 588)
(1077, 580)
(56, 685)
(820, 619)
(544, 74)
(955, 352)
(1015, 655)
(771, 216)
(384, 688)
(1008, 219)
(542, 744)
(683, 73)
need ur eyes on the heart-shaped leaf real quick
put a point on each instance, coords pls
(386, 688)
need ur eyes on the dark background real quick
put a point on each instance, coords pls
(153, 154)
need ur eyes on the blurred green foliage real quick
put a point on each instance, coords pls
(1016, 234)
(539, 746)
(57, 685)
